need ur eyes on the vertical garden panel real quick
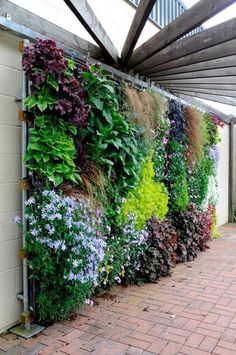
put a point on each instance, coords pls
(10, 169)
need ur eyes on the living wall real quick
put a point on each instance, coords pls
(127, 181)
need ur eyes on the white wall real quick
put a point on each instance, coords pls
(223, 176)
(115, 16)
(10, 168)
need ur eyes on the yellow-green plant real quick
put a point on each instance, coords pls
(149, 198)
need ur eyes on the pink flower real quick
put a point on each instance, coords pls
(165, 140)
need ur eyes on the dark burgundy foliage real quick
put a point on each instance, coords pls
(177, 122)
(159, 256)
(194, 229)
(43, 61)
(45, 56)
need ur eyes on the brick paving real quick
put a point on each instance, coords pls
(193, 312)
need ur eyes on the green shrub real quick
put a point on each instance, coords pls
(148, 198)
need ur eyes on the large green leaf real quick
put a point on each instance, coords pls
(52, 81)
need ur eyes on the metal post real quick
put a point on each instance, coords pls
(231, 170)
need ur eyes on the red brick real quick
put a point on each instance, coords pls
(191, 324)
(145, 326)
(171, 348)
(194, 340)
(9, 344)
(208, 332)
(208, 344)
(138, 343)
(222, 351)
(223, 321)
(211, 318)
(71, 336)
(134, 351)
(157, 329)
(182, 332)
(191, 351)
(52, 349)
(229, 335)
(227, 345)
(157, 346)
(48, 340)
(141, 336)
(172, 337)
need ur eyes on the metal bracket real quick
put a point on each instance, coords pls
(22, 254)
(25, 116)
(7, 16)
(25, 184)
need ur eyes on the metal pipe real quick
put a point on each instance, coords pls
(24, 134)
(231, 170)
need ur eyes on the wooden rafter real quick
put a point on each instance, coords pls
(220, 92)
(35, 23)
(209, 73)
(216, 98)
(138, 23)
(192, 18)
(206, 85)
(87, 17)
(219, 51)
(213, 36)
(220, 63)
(216, 80)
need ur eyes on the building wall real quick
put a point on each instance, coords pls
(223, 177)
(115, 16)
(10, 168)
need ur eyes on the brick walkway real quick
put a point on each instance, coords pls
(193, 312)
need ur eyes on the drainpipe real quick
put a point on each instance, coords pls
(24, 137)
(231, 169)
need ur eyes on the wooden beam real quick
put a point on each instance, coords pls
(227, 93)
(192, 18)
(231, 87)
(206, 39)
(87, 17)
(219, 51)
(210, 73)
(140, 18)
(216, 80)
(48, 29)
(216, 98)
(226, 62)
(208, 108)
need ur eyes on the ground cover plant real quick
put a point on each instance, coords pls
(129, 181)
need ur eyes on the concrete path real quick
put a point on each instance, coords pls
(192, 312)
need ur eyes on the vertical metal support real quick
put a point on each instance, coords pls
(231, 170)
(24, 134)
(27, 329)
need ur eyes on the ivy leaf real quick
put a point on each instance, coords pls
(42, 105)
(52, 81)
(31, 101)
(56, 179)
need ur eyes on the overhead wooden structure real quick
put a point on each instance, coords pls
(203, 64)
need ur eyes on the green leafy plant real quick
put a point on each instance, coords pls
(51, 150)
(176, 176)
(147, 198)
(108, 137)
